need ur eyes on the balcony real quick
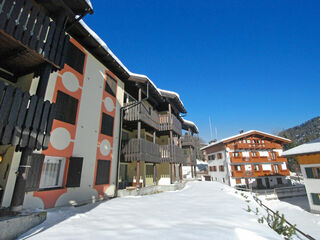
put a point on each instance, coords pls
(256, 159)
(189, 140)
(260, 145)
(258, 173)
(170, 122)
(187, 159)
(29, 38)
(141, 150)
(144, 114)
(25, 121)
(172, 154)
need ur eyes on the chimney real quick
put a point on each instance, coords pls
(241, 131)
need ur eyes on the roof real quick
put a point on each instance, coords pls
(189, 124)
(245, 134)
(175, 98)
(307, 148)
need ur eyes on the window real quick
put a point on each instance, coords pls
(315, 198)
(52, 173)
(276, 168)
(279, 181)
(103, 172)
(75, 58)
(273, 155)
(66, 108)
(212, 157)
(107, 125)
(221, 168)
(214, 168)
(111, 85)
(238, 181)
(254, 154)
(219, 155)
(313, 172)
(237, 167)
(248, 141)
(256, 167)
(236, 154)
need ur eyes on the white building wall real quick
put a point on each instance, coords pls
(312, 186)
(222, 177)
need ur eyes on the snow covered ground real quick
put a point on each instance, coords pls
(202, 210)
(295, 210)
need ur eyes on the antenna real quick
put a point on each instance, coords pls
(216, 133)
(210, 128)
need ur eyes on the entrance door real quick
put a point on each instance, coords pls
(267, 182)
(259, 183)
(123, 177)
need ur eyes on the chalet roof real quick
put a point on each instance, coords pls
(186, 124)
(248, 133)
(175, 98)
(307, 148)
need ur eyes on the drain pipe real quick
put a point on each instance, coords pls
(120, 134)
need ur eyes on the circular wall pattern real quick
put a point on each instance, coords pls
(105, 147)
(108, 104)
(60, 138)
(70, 81)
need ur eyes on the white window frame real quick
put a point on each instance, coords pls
(44, 184)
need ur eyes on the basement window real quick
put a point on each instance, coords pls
(52, 172)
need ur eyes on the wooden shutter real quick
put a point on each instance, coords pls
(35, 161)
(103, 172)
(74, 172)
(66, 108)
(309, 172)
(75, 58)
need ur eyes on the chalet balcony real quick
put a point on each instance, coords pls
(189, 140)
(170, 122)
(25, 121)
(143, 113)
(244, 160)
(255, 146)
(141, 150)
(187, 159)
(258, 173)
(172, 154)
(29, 38)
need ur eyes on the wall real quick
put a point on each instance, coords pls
(219, 176)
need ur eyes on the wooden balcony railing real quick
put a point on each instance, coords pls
(170, 122)
(257, 159)
(172, 154)
(142, 113)
(258, 173)
(187, 159)
(141, 150)
(28, 37)
(260, 145)
(25, 121)
(189, 140)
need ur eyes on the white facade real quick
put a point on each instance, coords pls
(312, 186)
(218, 175)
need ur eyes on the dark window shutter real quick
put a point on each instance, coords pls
(309, 172)
(75, 58)
(315, 198)
(103, 172)
(66, 108)
(33, 173)
(74, 172)
(107, 125)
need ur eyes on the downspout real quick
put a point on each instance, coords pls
(120, 135)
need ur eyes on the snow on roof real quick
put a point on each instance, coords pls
(307, 148)
(190, 123)
(133, 76)
(243, 134)
(174, 95)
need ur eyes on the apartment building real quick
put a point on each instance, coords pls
(65, 106)
(252, 158)
(308, 156)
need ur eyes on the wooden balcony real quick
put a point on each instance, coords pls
(187, 159)
(256, 146)
(256, 159)
(172, 154)
(259, 173)
(141, 150)
(170, 122)
(144, 114)
(25, 121)
(189, 140)
(29, 38)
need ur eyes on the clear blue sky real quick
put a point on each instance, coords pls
(247, 64)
